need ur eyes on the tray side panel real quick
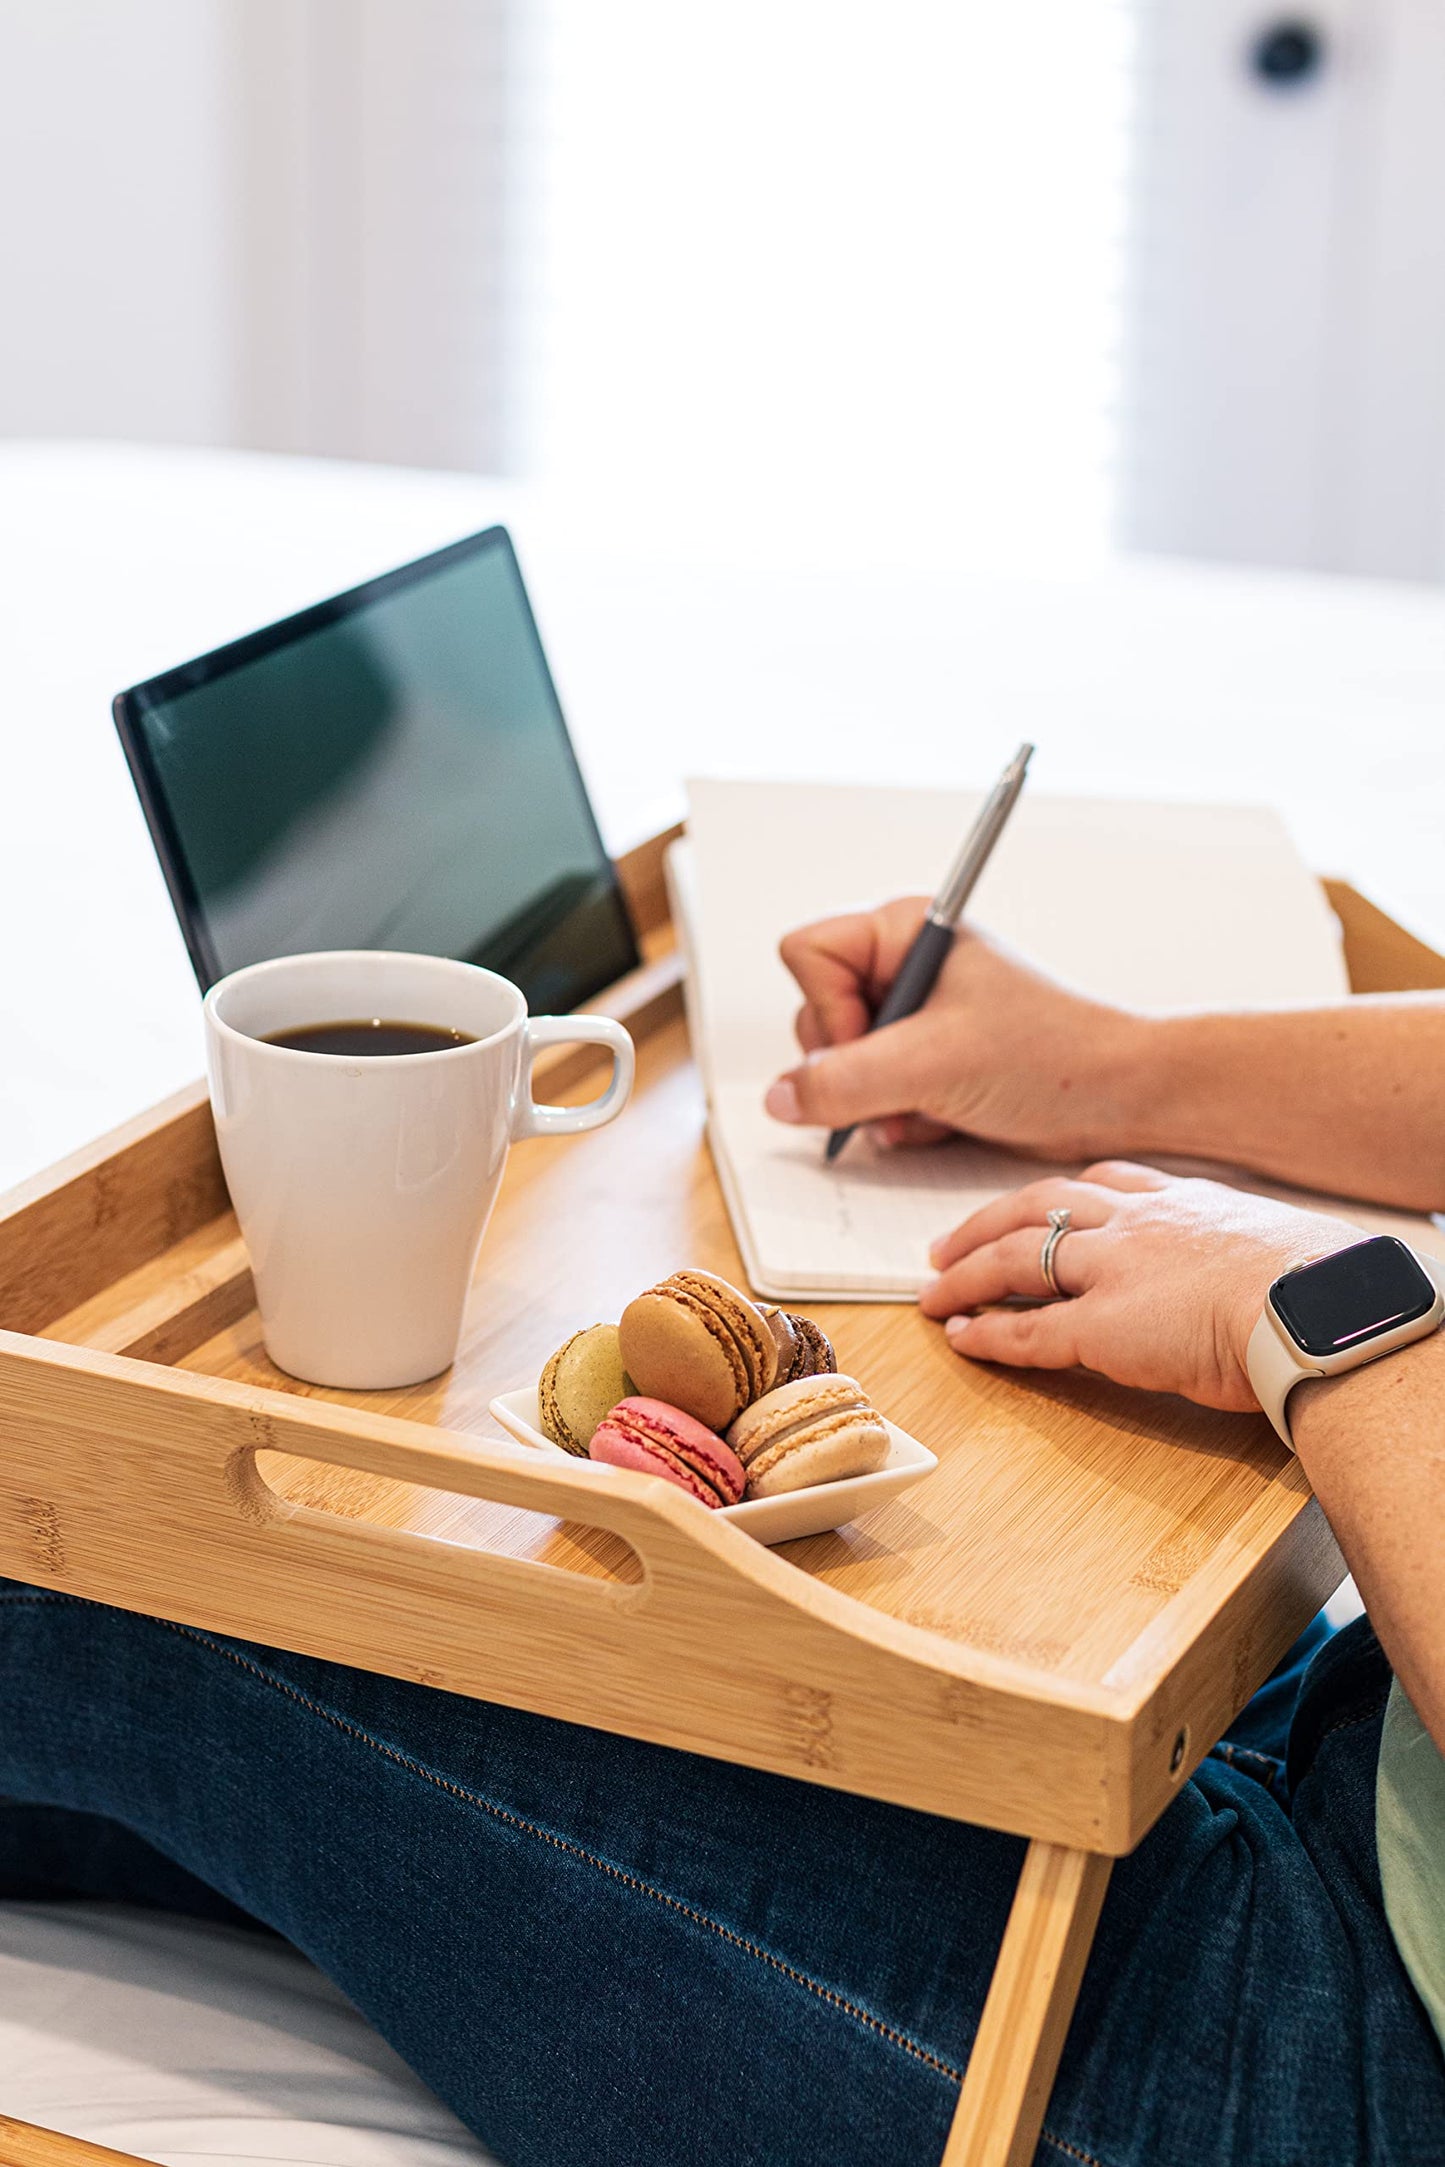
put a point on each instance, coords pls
(1204, 1657)
(108, 1210)
(1380, 956)
(644, 886)
(138, 1486)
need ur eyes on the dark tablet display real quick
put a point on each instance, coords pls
(389, 769)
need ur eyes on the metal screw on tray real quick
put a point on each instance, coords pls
(1288, 54)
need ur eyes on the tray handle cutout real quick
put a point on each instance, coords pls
(163, 1490)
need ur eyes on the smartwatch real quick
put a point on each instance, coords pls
(1341, 1311)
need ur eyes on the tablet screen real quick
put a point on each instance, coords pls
(389, 769)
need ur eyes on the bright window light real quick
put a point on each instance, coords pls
(796, 269)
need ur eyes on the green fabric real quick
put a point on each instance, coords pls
(1410, 1834)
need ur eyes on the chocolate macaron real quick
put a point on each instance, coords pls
(804, 1348)
(695, 1342)
(786, 1340)
(584, 1378)
(655, 1439)
(816, 1429)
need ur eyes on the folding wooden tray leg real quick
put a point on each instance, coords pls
(25, 2144)
(1030, 2001)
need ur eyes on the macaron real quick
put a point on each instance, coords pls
(698, 1344)
(817, 1358)
(655, 1439)
(804, 1349)
(816, 1429)
(780, 1324)
(583, 1379)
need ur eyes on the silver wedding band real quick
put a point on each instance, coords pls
(1059, 1224)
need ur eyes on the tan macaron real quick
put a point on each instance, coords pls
(696, 1342)
(816, 1429)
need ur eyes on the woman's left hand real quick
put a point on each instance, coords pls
(1165, 1278)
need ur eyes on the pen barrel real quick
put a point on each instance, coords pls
(918, 973)
(948, 904)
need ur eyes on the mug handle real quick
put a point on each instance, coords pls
(534, 1120)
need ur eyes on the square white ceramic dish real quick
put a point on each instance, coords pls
(769, 1519)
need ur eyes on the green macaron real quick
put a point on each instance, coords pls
(582, 1382)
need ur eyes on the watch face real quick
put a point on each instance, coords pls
(1352, 1297)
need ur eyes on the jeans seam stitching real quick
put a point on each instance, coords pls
(1061, 2144)
(574, 1850)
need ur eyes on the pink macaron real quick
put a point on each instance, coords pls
(656, 1439)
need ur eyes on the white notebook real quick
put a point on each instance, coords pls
(1156, 906)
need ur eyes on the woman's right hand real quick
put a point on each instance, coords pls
(998, 1051)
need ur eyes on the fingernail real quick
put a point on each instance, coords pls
(936, 1253)
(956, 1329)
(926, 1294)
(782, 1100)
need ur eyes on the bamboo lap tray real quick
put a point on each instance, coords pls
(1045, 1636)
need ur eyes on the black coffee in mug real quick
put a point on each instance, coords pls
(368, 1035)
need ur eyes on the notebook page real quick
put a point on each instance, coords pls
(862, 1229)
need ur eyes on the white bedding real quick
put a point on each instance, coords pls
(182, 2041)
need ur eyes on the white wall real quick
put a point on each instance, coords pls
(117, 290)
(1284, 395)
(829, 269)
(371, 138)
(763, 260)
(269, 222)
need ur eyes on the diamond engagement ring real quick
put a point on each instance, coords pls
(1059, 1223)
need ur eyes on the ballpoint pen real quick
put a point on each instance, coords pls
(919, 971)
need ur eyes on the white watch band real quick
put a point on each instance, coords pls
(1276, 1365)
(1274, 1370)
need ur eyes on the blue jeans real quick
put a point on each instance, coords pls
(596, 1950)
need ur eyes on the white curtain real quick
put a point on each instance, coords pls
(801, 267)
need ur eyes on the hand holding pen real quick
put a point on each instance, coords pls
(918, 971)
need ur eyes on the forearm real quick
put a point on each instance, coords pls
(1348, 1099)
(1373, 1445)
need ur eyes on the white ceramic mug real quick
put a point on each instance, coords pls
(363, 1185)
